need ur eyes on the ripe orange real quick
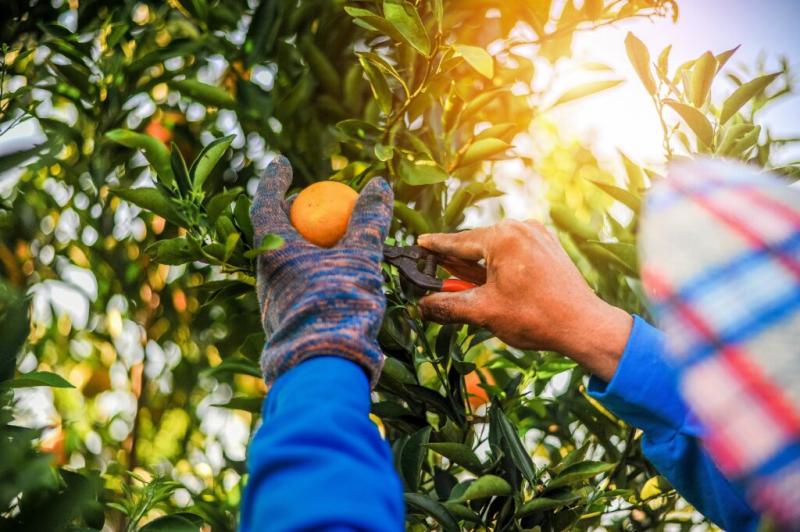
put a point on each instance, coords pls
(476, 394)
(322, 211)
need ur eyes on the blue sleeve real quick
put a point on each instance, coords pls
(318, 462)
(644, 393)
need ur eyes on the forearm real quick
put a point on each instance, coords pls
(644, 393)
(318, 462)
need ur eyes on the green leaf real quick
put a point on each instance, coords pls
(483, 149)
(725, 56)
(405, 19)
(236, 365)
(640, 59)
(398, 371)
(418, 173)
(151, 200)
(514, 447)
(421, 503)
(204, 93)
(220, 202)
(462, 512)
(240, 402)
(373, 22)
(179, 170)
(696, 121)
(378, 84)
(620, 194)
(268, 243)
(543, 504)
(586, 89)
(386, 67)
(40, 378)
(703, 71)
(173, 251)
(460, 454)
(383, 153)
(207, 160)
(154, 150)
(565, 219)
(743, 94)
(412, 457)
(486, 486)
(14, 329)
(663, 61)
(177, 522)
(626, 252)
(578, 473)
(478, 58)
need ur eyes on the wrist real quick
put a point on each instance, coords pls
(599, 339)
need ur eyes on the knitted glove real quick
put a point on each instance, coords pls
(320, 301)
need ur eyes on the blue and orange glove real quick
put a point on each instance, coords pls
(320, 301)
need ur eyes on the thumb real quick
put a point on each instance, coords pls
(372, 215)
(454, 307)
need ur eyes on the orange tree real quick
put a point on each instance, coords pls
(153, 121)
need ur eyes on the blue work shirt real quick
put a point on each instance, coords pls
(319, 463)
(644, 393)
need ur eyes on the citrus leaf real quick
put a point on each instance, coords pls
(586, 89)
(154, 150)
(40, 378)
(178, 522)
(725, 56)
(578, 473)
(207, 160)
(458, 453)
(217, 204)
(173, 251)
(640, 59)
(418, 173)
(743, 94)
(373, 22)
(239, 402)
(204, 93)
(380, 89)
(435, 509)
(236, 365)
(620, 194)
(703, 73)
(483, 149)
(543, 504)
(486, 486)
(383, 153)
(151, 200)
(412, 457)
(268, 243)
(696, 121)
(405, 19)
(478, 58)
(514, 447)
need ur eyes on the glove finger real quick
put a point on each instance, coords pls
(267, 212)
(372, 215)
(287, 205)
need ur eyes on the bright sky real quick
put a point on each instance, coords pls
(624, 117)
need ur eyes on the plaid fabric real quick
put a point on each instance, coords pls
(720, 255)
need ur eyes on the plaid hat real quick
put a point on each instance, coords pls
(720, 255)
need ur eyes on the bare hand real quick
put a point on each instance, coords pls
(533, 296)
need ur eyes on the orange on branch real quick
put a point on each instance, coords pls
(476, 393)
(322, 211)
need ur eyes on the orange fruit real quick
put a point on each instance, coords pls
(322, 211)
(476, 394)
(54, 444)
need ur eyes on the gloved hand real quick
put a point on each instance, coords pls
(320, 301)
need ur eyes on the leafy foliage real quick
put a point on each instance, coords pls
(157, 118)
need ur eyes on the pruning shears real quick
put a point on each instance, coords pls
(417, 265)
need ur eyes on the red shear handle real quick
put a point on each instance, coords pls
(456, 285)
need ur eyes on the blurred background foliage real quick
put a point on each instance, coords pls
(129, 396)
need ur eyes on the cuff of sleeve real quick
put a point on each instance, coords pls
(644, 390)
